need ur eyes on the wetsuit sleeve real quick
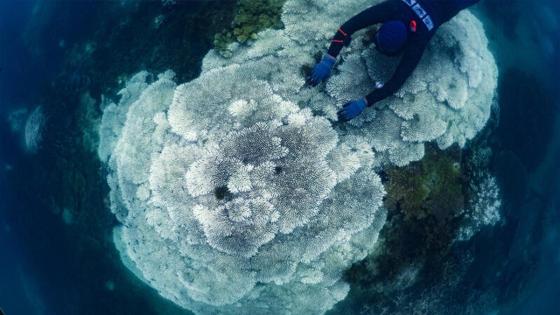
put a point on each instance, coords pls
(373, 15)
(409, 61)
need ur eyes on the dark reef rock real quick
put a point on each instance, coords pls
(425, 201)
(433, 185)
(251, 17)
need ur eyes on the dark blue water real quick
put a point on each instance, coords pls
(20, 77)
(50, 267)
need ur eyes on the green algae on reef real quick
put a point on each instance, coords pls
(251, 17)
(433, 185)
(425, 201)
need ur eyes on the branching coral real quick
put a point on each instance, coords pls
(237, 194)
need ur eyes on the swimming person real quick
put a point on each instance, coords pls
(408, 26)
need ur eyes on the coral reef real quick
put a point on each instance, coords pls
(484, 208)
(251, 17)
(237, 191)
(434, 206)
(425, 202)
(257, 205)
(433, 185)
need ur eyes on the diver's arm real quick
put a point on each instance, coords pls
(409, 61)
(372, 15)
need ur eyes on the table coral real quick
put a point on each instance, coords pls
(237, 191)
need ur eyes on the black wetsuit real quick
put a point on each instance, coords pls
(440, 12)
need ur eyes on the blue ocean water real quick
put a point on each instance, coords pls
(50, 265)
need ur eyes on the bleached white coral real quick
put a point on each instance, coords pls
(484, 209)
(253, 207)
(236, 192)
(447, 99)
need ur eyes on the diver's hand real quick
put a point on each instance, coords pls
(322, 70)
(352, 109)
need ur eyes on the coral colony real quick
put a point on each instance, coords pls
(231, 190)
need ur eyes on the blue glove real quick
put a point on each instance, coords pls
(352, 109)
(322, 70)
